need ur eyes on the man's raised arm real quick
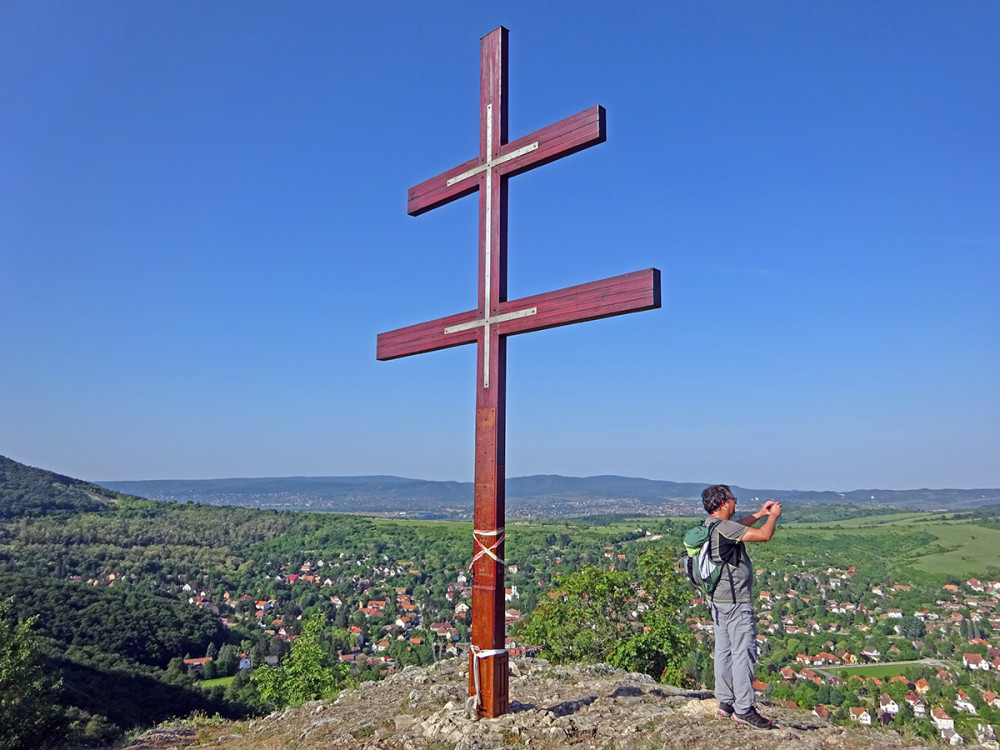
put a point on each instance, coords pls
(772, 510)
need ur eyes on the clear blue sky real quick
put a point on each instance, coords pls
(203, 228)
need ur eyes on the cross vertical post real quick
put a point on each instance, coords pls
(488, 658)
(495, 318)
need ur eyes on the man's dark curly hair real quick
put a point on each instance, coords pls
(716, 496)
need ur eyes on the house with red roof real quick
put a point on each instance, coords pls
(821, 711)
(916, 705)
(861, 715)
(975, 661)
(962, 703)
(197, 665)
(941, 720)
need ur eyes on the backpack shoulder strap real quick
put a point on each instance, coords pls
(713, 524)
(729, 571)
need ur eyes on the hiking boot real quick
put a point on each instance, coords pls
(753, 719)
(725, 710)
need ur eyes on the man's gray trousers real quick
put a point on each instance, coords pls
(735, 654)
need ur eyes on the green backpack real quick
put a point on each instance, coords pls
(702, 572)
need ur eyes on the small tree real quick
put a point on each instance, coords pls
(30, 719)
(209, 671)
(599, 615)
(308, 673)
(228, 660)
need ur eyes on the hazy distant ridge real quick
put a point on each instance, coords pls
(546, 494)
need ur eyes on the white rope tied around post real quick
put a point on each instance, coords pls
(477, 654)
(485, 551)
(476, 701)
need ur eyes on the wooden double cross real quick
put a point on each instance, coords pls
(494, 319)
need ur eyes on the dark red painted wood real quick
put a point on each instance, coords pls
(491, 388)
(560, 139)
(630, 292)
(582, 130)
(436, 192)
(425, 337)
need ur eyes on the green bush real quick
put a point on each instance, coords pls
(309, 672)
(632, 623)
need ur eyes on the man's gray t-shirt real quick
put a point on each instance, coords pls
(726, 547)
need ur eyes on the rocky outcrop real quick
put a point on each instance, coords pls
(551, 707)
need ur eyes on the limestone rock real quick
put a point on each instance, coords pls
(706, 707)
(589, 707)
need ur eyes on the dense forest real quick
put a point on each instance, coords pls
(29, 493)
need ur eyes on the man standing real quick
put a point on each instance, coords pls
(732, 610)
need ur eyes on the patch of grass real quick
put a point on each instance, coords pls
(209, 728)
(511, 740)
(361, 732)
(970, 547)
(200, 720)
(221, 681)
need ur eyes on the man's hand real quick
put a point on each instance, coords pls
(771, 509)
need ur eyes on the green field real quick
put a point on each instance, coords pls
(960, 548)
(889, 519)
(969, 549)
(220, 682)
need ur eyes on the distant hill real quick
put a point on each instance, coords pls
(546, 495)
(27, 492)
